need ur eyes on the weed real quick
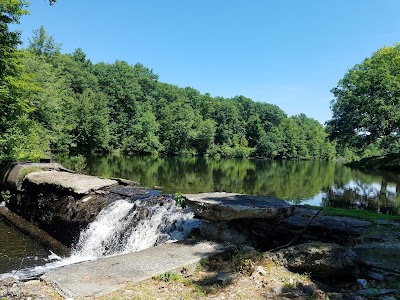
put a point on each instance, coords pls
(168, 277)
(6, 196)
(180, 200)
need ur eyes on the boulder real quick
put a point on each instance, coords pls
(229, 206)
(322, 260)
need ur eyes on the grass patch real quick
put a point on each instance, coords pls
(168, 277)
(28, 170)
(357, 214)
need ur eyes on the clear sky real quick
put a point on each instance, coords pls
(286, 52)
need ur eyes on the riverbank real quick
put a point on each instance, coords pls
(389, 162)
(240, 274)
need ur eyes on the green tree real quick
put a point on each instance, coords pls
(11, 103)
(43, 44)
(366, 107)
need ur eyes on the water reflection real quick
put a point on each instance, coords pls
(302, 182)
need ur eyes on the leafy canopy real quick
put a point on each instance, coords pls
(366, 108)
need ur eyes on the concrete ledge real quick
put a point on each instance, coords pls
(94, 278)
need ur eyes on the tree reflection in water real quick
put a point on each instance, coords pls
(301, 182)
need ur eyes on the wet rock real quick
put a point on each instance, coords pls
(323, 260)
(228, 206)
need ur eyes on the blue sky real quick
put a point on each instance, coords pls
(289, 53)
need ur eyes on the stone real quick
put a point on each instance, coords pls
(77, 183)
(223, 231)
(308, 290)
(376, 276)
(229, 206)
(13, 175)
(322, 260)
(225, 278)
(384, 256)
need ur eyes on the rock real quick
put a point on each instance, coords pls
(228, 206)
(225, 278)
(321, 260)
(225, 232)
(376, 276)
(323, 228)
(362, 282)
(125, 181)
(376, 292)
(77, 183)
(384, 256)
(13, 175)
(308, 290)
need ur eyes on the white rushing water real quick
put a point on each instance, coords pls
(122, 227)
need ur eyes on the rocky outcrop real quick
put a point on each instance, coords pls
(229, 206)
(323, 228)
(338, 244)
(322, 260)
(60, 202)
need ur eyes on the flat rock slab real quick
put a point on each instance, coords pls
(105, 275)
(228, 206)
(77, 183)
(13, 176)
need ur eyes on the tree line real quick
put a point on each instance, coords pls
(54, 102)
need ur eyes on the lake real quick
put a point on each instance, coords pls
(300, 182)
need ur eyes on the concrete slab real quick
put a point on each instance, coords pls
(77, 183)
(94, 278)
(229, 206)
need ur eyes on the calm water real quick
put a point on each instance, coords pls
(315, 182)
(19, 251)
(303, 182)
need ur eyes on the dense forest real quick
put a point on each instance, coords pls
(53, 102)
(56, 102)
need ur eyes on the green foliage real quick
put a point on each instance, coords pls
(168, 277)
(76, 163)
(75, 106)
(27, 140)
(180, 200)
(358, 214)
(366, 107)
(43, 44)
(5, 196)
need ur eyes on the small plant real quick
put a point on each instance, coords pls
(6, 196)
(180, 200)
(168, 277)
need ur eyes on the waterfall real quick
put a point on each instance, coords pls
(124, 227)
